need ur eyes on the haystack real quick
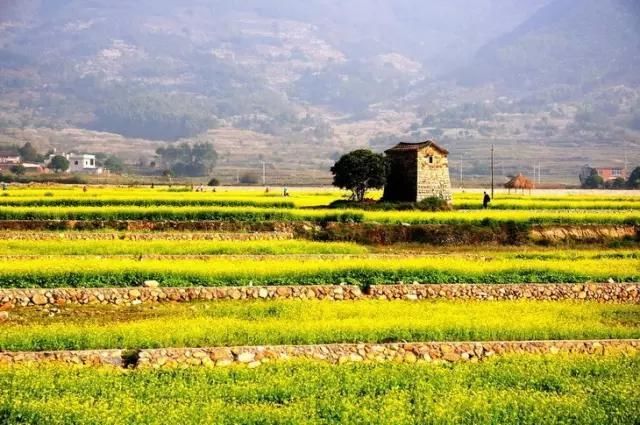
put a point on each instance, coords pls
(519, 182)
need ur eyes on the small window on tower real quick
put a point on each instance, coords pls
(430, 160)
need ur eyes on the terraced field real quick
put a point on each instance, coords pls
(167, 305)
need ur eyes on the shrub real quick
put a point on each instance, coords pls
(249, 178)
(18, 170)
(214, 182)
(433, 203)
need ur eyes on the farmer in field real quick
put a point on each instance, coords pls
(485, 200)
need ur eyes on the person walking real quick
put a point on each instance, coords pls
(485, 200)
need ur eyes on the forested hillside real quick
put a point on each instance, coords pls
(264, 80)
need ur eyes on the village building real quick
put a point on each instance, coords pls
(7, 157)
(80, 163)
(417, 171)
(607, 173)
(31, 167)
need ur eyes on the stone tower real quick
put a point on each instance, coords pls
(418, 171)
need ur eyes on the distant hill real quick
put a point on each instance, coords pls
(296, 83)
(581, 44)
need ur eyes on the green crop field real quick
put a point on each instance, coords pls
(488, 267)
(65, 237)
(176, 247)
(253, 213)
(313, 322)
(517, 390)
(309, 205)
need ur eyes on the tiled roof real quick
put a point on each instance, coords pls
(404, 146)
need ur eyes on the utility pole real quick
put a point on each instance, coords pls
(539, 178)
(626, 160)
(264, 174)
(492, 171)
(461, 177)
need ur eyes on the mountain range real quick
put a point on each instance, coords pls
(296, 84)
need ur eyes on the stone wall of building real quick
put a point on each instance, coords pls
(433, 175)
(403, 176)
(254, 356)
(603, 292)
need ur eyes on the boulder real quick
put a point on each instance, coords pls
(151, 284)
(39, 299)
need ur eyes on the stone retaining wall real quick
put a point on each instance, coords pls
(155, 225)
(254, 356)
(88, 357)
(398, 352)
(604, 292)
(367, 233)
(133, 236)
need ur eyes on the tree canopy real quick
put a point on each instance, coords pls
(634, 179)
(59, 163)
(359, 171)
(29, 154)
(114, 164)
(189, 160)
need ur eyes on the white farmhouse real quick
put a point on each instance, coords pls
(81, 162)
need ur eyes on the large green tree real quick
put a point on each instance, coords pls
(59, 163)
(634, 179)
(29, 154)
(114, 164)
(189, 160)
(359, 171)
(593, 180)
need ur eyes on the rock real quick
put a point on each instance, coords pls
(263, 293)
(598, 348)
(134, 293)
(451, 357)
(283, 291)
(224, 363)
(246, 357)
(355, 358)
(410, 358)
(611, 280)
(151, 284)
(39, 299)
(221, 354)
(4, 315)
